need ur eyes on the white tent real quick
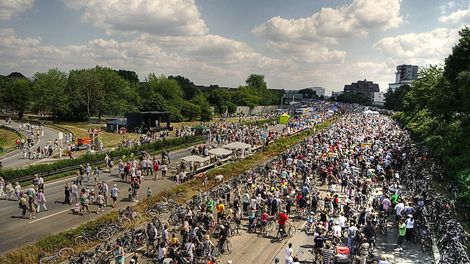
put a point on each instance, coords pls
(237, 145)
(220, 152)
(195, 158)
(370, 112)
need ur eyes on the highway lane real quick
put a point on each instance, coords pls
(17, 231)
(15, 158)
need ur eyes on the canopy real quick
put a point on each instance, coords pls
(284, 118)
(237, 145)
(195, 158)
(220, 152)
(369, 112)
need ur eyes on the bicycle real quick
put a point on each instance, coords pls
(57, 256)
(226, 248)
(281, 233)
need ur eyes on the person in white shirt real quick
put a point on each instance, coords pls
(399, 209)
(342, 221)
(410, 222)
(288, 255)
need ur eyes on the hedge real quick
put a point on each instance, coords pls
(14, 174)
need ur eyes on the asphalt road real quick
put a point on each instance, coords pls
(17, 231)
(15, 158)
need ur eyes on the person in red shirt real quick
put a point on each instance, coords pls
(282, 220)
(156, 167)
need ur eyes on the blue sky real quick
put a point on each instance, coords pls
(294, 43)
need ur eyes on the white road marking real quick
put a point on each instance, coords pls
(45, 217)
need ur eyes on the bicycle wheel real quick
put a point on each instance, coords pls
(124, 220)
(81, 240)
(48, 260)
(228, 246)
(103, 235)
(291, 231)
(66, 252)
(270, 227)
(153, 213)
(136, 216)
(215, 252)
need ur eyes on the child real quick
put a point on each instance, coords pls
(130, 195)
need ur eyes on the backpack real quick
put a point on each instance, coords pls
(151, 232)
(274, 203)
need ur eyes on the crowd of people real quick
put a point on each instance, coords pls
(344, 181)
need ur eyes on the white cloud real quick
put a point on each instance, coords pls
(355, 19)
(209, 58)
(308, 53)
(9, 8)
(445, 7)
(159, 17)
(457, 18)
(422, 48)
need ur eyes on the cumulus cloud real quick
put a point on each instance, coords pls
(423, 48)
(9, 8)
(159, 17)
(311, 53)
(355, 19)
(217, 59)
(457, 18)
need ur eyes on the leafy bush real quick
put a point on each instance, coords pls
(14, 174)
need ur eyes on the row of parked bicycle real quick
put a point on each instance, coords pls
(437, 212)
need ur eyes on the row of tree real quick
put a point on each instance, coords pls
(82, 93)
(436, 108)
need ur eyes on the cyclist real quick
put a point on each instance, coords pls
(282, 220)
(222, 238)
(264, 220)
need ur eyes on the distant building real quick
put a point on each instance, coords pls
(320, 91)
(405, 74)
(292, 96)
(379, 99)
(336, 94)
(367, 88)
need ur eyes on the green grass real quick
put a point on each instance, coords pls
(7, 140)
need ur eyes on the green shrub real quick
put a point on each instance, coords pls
(14, 174)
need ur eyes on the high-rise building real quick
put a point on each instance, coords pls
(367, 88)
(405, 74)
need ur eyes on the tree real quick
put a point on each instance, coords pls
(189, 110)
(231, 108)
(257, 81)
(219, 98)
(87, 88)
(189, 89)
(394, 98)
(18, 95)
(247, 96)
(308, 93)
(206, 111)
(120, 97)
(129, 76)
(49, 90)
(357, 98)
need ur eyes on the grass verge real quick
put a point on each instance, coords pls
(8, 138)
